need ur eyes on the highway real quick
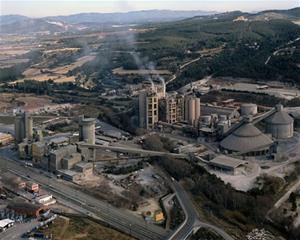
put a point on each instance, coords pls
(120, 219)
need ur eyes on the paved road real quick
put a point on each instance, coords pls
(118, 218)
(285, 197)
(15, 232)
(191, 221)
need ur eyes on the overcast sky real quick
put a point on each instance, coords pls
(39, 8)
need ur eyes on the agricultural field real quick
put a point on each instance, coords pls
(69, 228)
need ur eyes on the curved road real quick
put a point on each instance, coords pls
(191, 221)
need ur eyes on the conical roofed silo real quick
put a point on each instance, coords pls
(247, 139)
(280, 124)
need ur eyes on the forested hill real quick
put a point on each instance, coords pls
(264, 45)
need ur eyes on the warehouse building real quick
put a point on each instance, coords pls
(228, 165)
(26, 208)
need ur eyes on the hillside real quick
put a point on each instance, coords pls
(17, 24)
(246, 43)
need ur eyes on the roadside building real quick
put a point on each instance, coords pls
(32, 187)
(69, 175)
(45, 200)
(26, 208)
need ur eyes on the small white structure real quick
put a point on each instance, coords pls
(45, 200)
(5, 224)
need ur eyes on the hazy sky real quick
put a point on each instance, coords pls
(38, 8)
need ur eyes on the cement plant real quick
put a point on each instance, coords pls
(166, 125)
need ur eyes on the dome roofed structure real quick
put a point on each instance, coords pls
(247, 139)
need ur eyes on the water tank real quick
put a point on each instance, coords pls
(248, 109)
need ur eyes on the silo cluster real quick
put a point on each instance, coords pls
(192, 110)
(23, 127)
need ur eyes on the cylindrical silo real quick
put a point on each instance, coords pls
(280, 124)
(28, 126)
(197, 109)
(87, 130)
(19, 129)
(191, 111)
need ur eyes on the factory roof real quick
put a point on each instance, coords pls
(227, 161)
(209, 109)
(58, 140)
(246, 138)
(280, 117)
(67, 172)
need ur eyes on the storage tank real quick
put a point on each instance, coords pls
(87, 130)
(248, 109)
(280, 124)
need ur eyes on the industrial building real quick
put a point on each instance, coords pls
(280, 124)
(231, 113)
(227, 164)
(172, 108)
(192, 110)
(56, 156)
(23, 127)
(247, 140)
(148, 109)
(26, 208)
